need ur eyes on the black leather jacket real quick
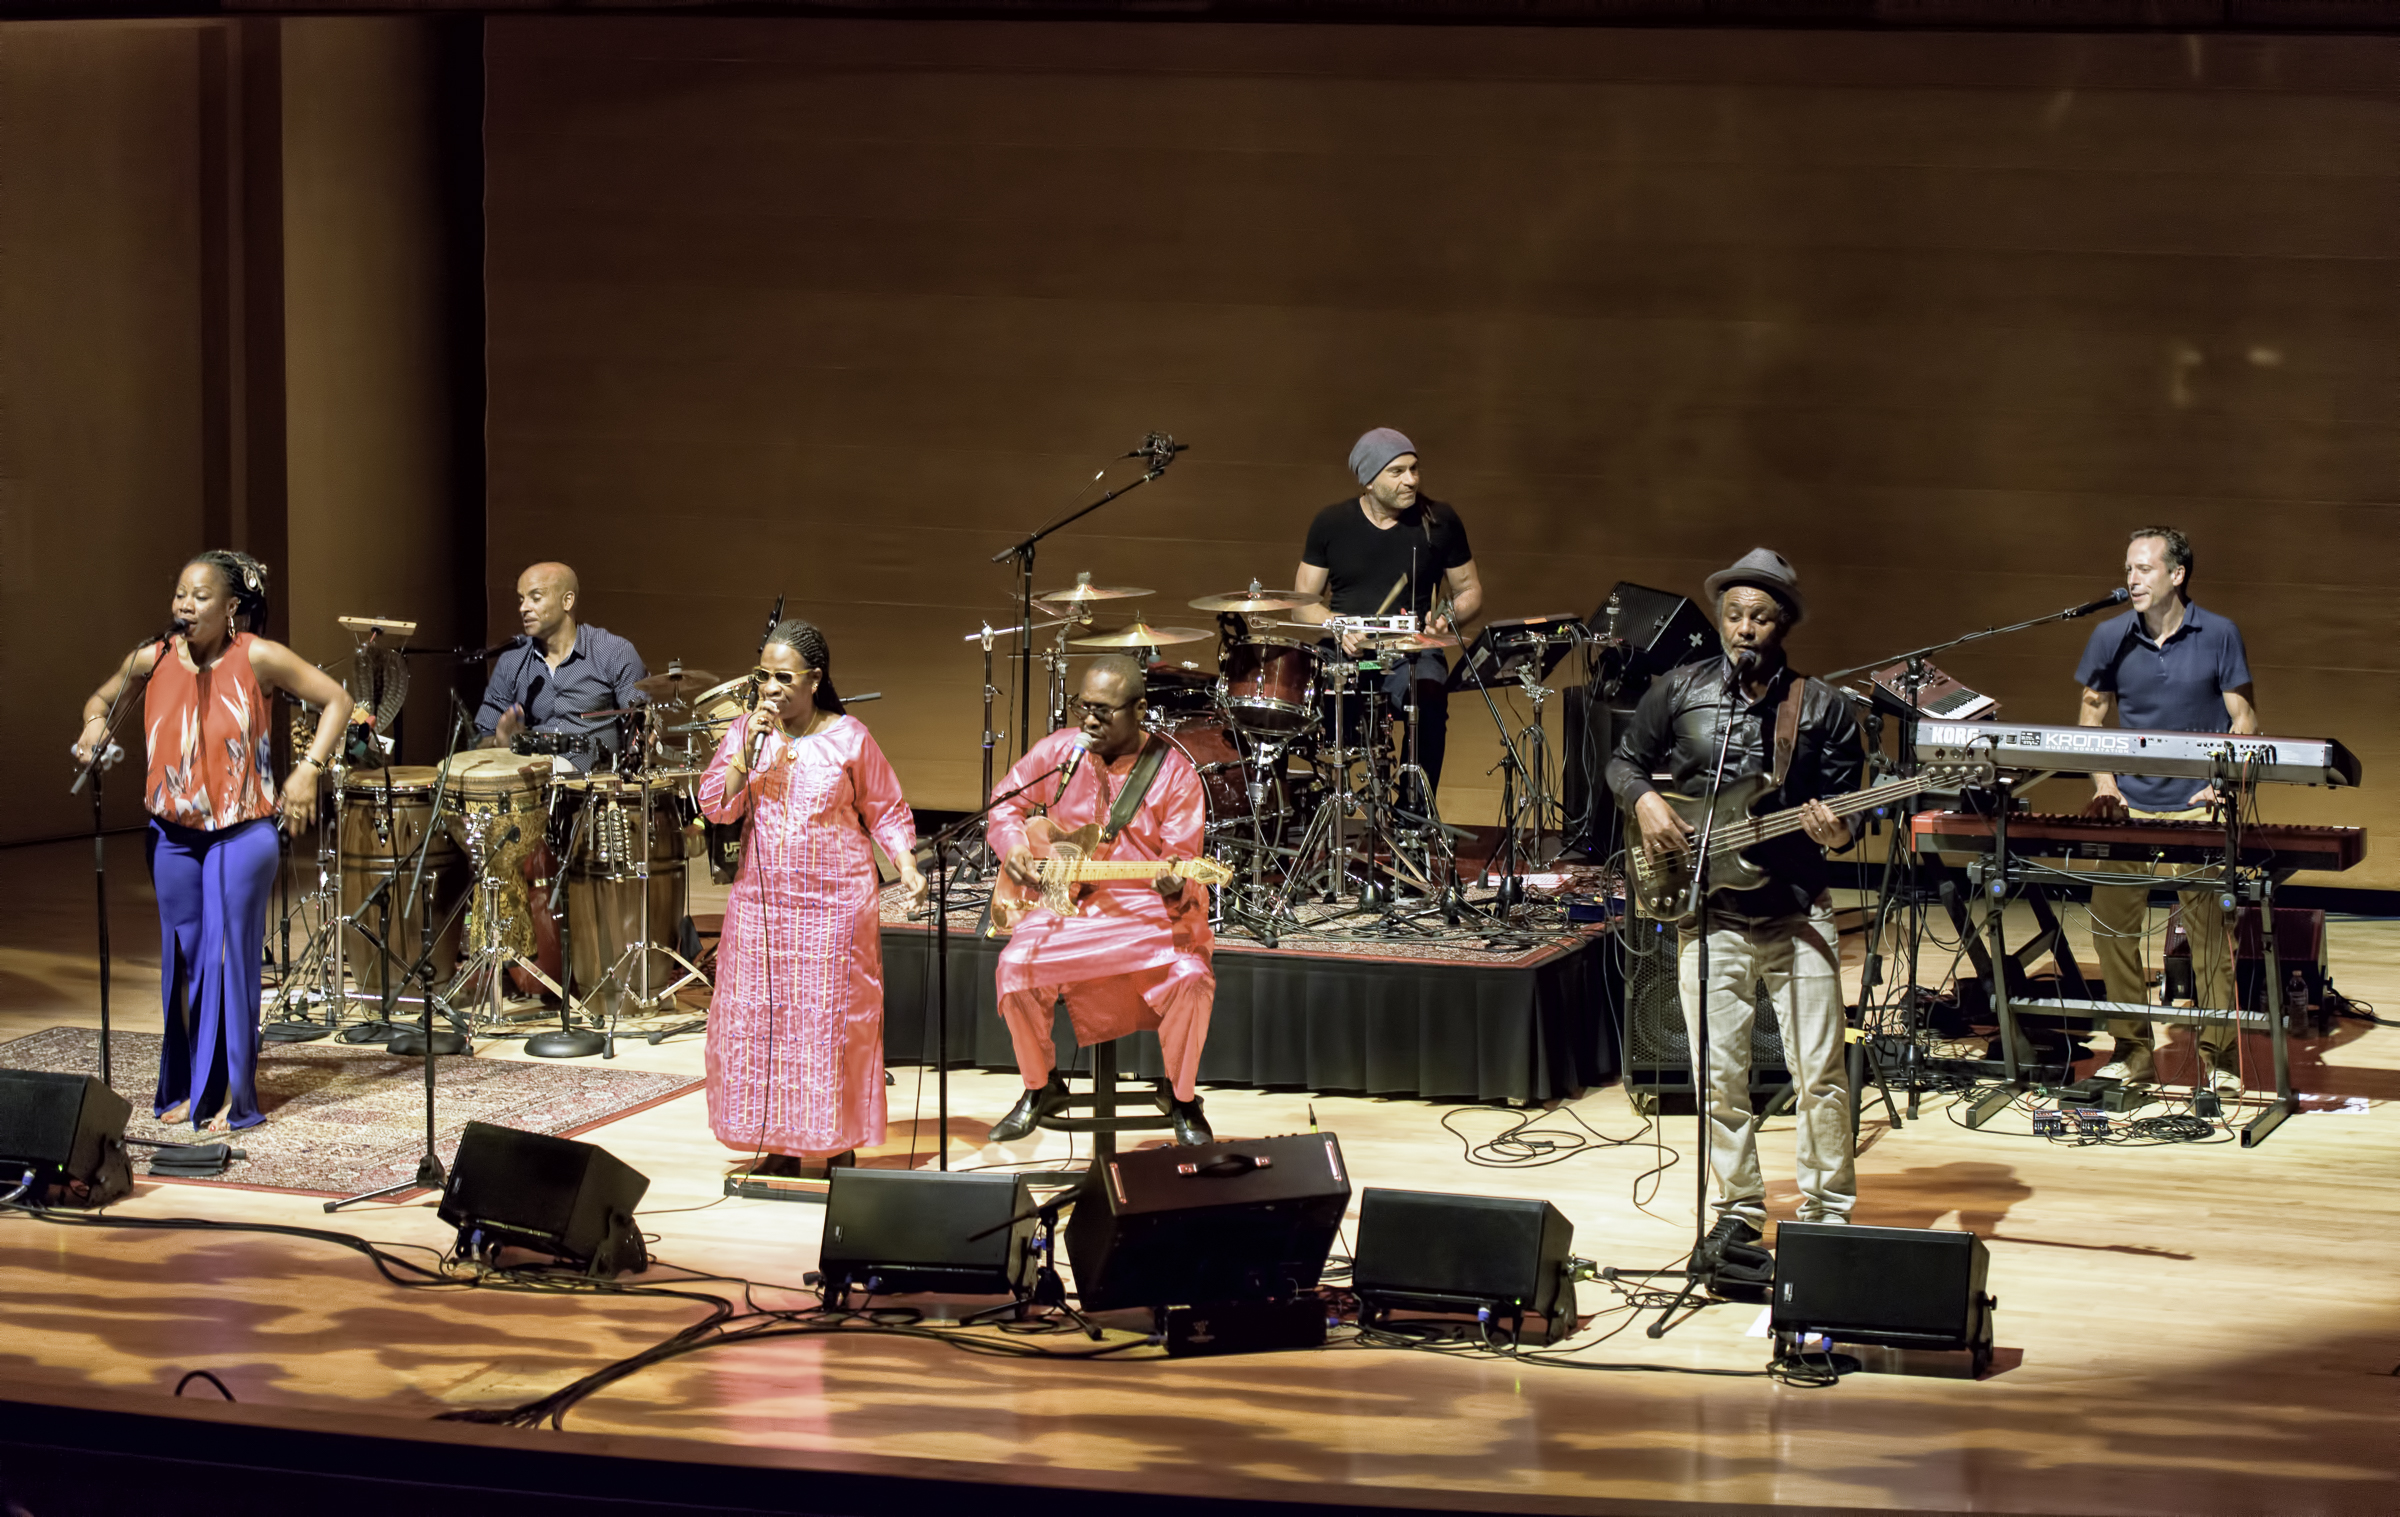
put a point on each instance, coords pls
(1675, 730)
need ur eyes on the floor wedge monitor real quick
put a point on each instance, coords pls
(1425, 1251)
(1242, 1221)
(63, 1138)
(572, 1201)
(893, 1231)
(1900, 1287)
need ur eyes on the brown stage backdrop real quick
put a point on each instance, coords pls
(837, 308)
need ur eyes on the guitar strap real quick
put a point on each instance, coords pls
(1137, 785)
(1787, 726)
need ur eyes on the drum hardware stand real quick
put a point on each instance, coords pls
(637, 953)
(1159, 450)
(430, 1174)
(940, 842)
(443, 1042)
(325, 950)
(566, 1041)
(1700, 1268)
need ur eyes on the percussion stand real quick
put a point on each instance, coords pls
(320, 964)
(566, 1041)
(1509, 860)
(639, 950)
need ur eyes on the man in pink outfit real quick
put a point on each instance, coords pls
(1136, 954)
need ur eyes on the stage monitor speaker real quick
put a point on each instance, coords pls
(892, 1231)
(1424, 1251)
(1659, 629)
(1240, 1221)
(2299, 948)
(1658, 1050)
(1904, 1287)
(572, 1201)
(69, 1132)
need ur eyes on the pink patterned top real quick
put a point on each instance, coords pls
(207, 731)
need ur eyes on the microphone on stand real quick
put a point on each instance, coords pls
(478, 655)
(1744, 660)
(2117, 597)
(175, 629)
(1160, 449)
(1066, 770)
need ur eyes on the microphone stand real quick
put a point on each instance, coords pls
(1699, 1270)
(940, 842)
(2068, 615)
(1022, 552)
(91, 772)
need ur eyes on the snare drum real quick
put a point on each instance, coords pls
(386, 814)
(1270, 684)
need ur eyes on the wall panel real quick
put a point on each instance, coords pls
(837, 308)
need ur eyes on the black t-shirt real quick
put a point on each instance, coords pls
(1363, 561)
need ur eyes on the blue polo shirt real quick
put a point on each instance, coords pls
(599, 675)
(2175, 686)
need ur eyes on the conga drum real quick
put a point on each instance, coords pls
(491, 790)
(386, 814)
(611, 871)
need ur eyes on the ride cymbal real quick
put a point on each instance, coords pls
(671, 685)
(1141, 636)
(1255, 599)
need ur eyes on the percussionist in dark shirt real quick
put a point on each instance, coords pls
(559, 670)
(1780, 935)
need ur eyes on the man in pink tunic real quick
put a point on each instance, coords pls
(1137, 952)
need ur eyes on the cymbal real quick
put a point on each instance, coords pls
(1411, 642)
(1255, 599)
(671, 685)
(1141, 636)
(1085, 590)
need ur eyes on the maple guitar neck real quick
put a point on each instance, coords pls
(1076, 871)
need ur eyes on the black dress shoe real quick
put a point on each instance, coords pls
(1031, 1107)
(1191, 1126)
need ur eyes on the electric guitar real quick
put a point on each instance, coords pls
(1066, 863)
(1659, 885)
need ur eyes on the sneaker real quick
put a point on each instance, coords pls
(1730, 1228)
(2225, 1082)
(2134, 1069)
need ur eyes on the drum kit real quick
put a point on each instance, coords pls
(571, 882)
(1309, 798)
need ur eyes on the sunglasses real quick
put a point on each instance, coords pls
(784, 677)
(1103, 712)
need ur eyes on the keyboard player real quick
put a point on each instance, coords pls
(2166, 665)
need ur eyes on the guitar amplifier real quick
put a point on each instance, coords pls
(1242, 1221)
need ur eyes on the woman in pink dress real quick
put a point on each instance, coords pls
(795, 1031)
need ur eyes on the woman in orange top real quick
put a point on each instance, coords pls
(206, 722)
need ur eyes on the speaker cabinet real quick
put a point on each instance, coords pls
(1903, 1287)
(1242, 1221)
(572, 1201)
(892, 1231)
(69, 1130)
(1659, 629)
(1658, 1048)
(1423, 1251)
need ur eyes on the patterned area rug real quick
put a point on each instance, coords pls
(342, 1118)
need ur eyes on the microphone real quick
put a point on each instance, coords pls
(478, 655)
(1744, 660)
(175, 629)
(2117, 597)
(1159, 448)
(1066, 770)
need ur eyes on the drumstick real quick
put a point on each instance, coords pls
(1398, 585)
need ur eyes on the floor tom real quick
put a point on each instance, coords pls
(1269, 684)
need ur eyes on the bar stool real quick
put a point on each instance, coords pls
(1106, 1121)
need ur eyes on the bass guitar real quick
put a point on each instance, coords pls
(1659, 886)
(1067, 866)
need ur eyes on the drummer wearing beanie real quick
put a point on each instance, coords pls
(1391, 550)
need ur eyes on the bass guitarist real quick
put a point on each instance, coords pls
(1780, 934)
(1137, 952)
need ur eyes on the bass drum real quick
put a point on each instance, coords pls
(1225, 772)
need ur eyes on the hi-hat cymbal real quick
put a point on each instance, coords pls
(1140, 636)
(672, 684)
(1255, 599)
(1085, 590)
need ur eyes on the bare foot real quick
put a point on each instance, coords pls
(174, 1113)
(219, 1123)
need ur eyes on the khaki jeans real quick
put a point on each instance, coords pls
(2120, 932)
(1797, 959)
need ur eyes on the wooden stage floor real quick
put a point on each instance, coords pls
(2187, 1329)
